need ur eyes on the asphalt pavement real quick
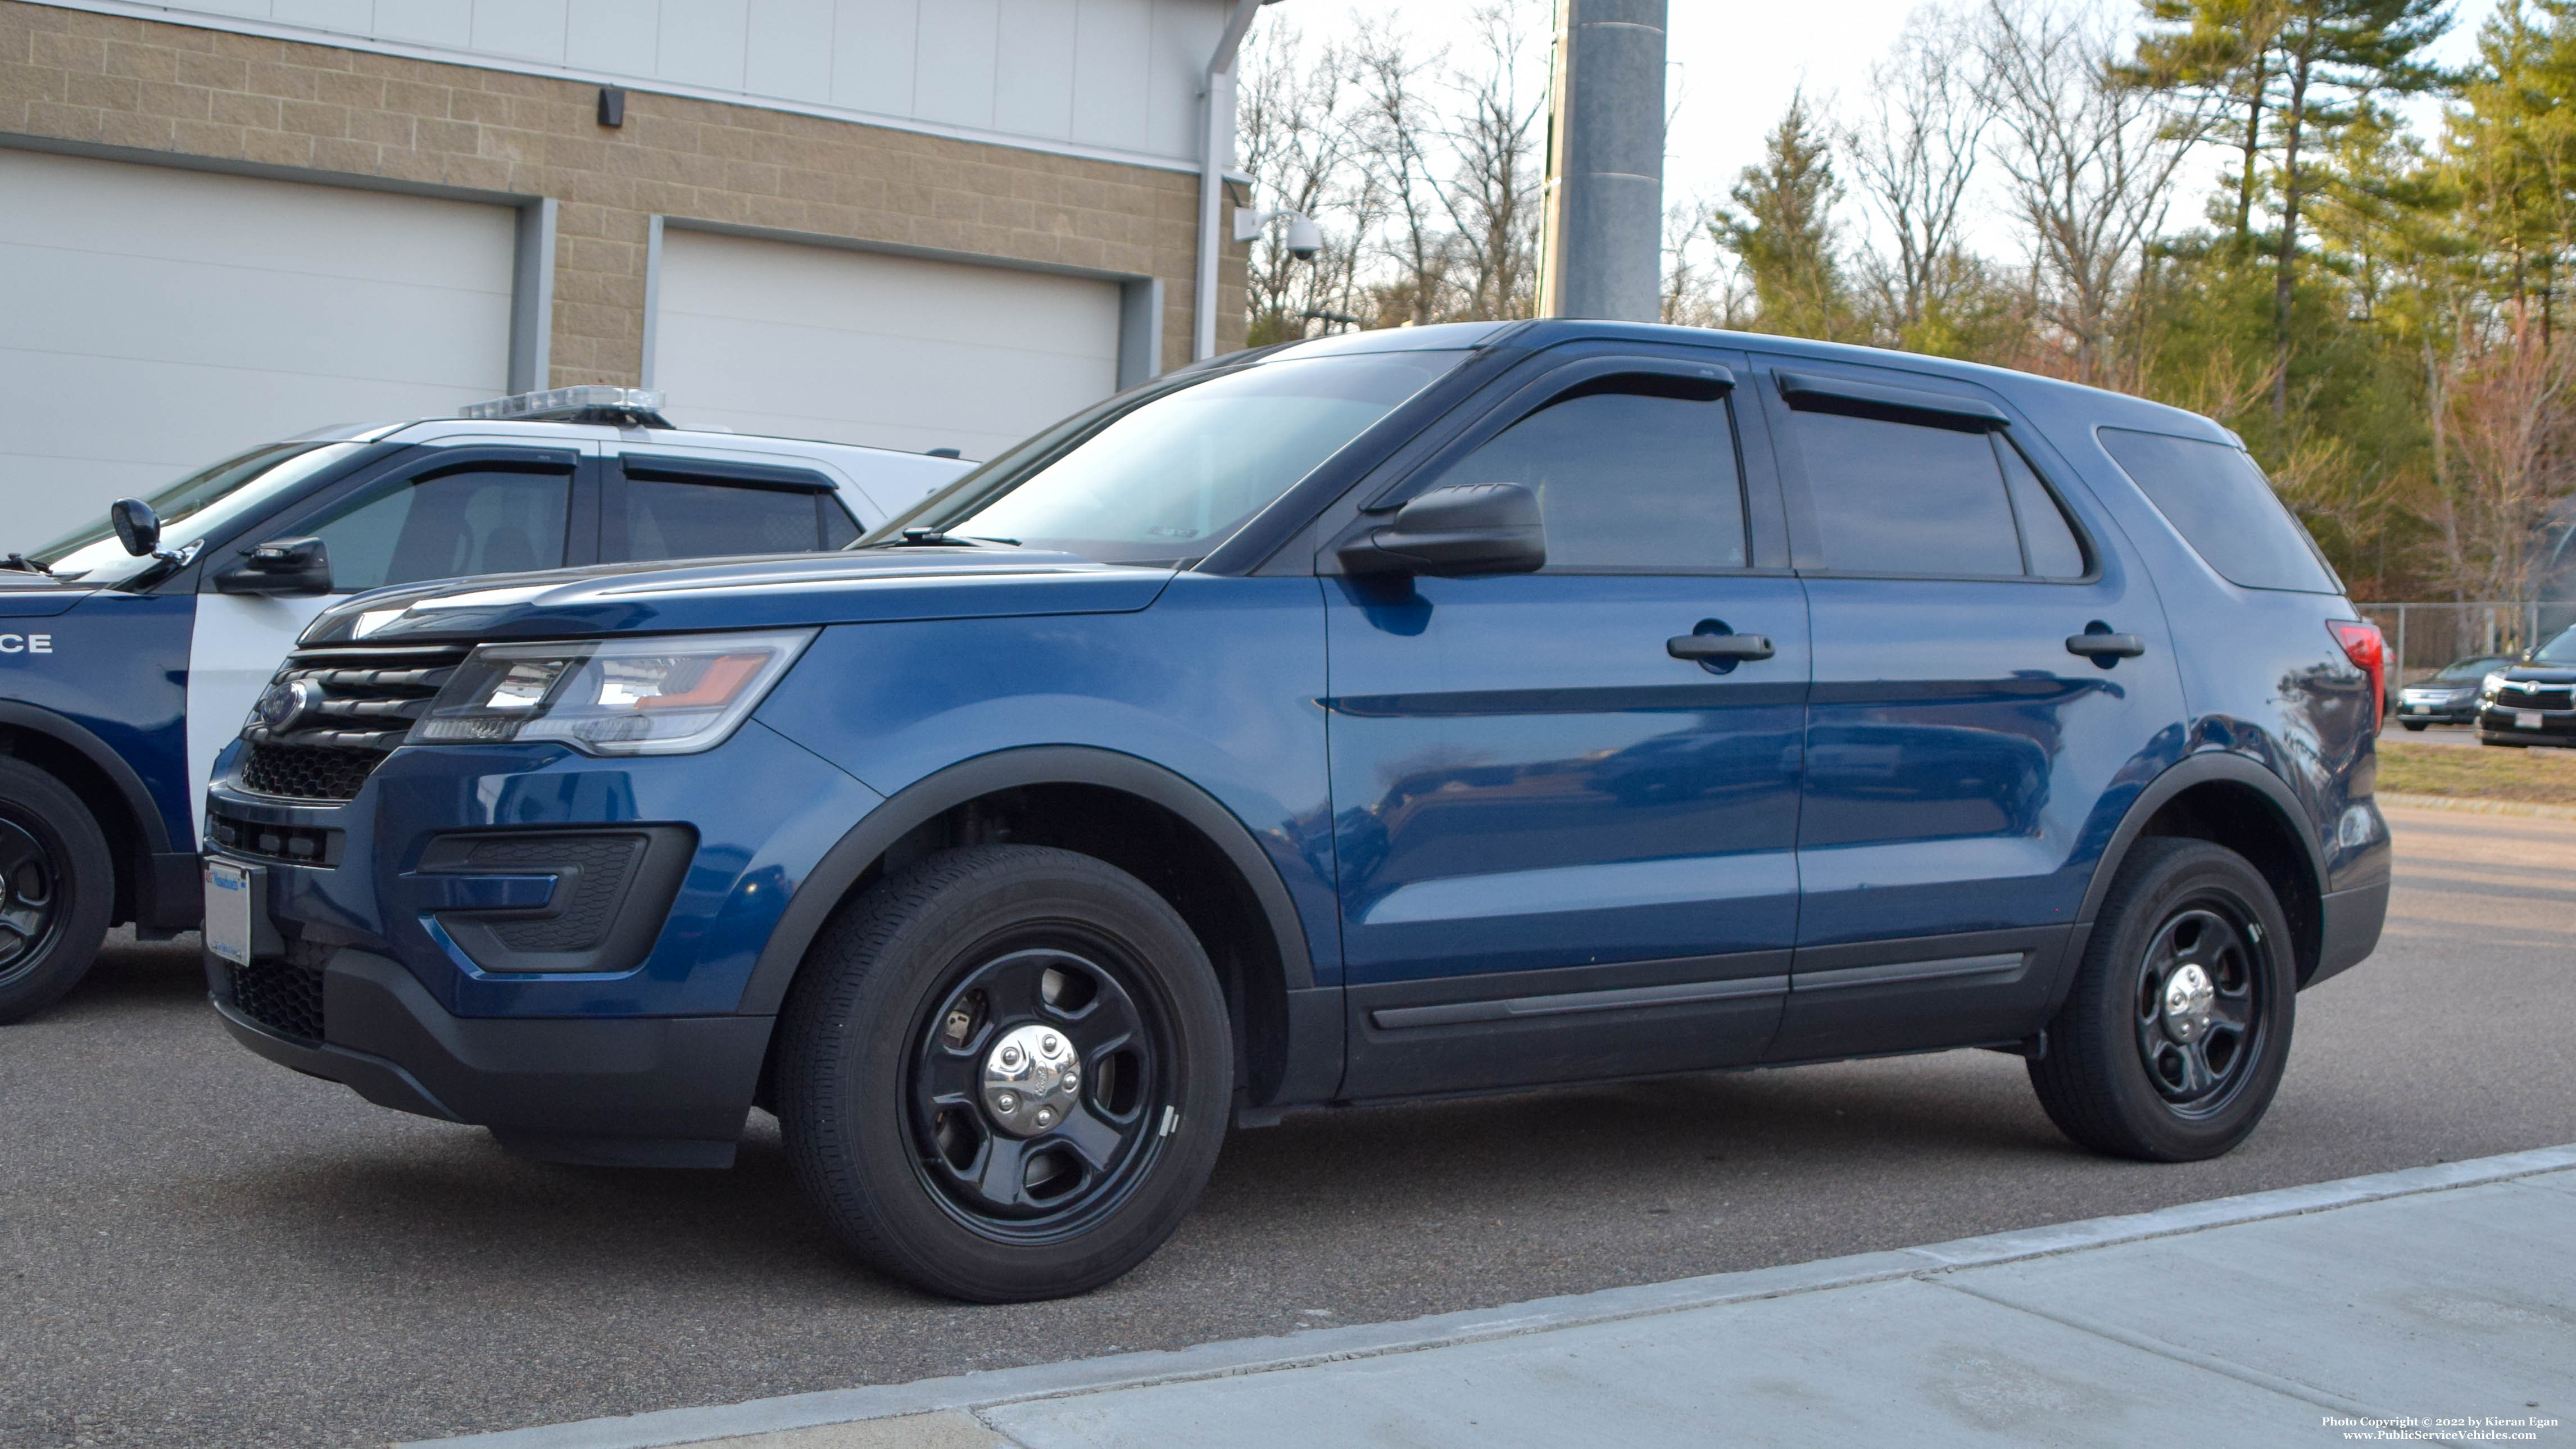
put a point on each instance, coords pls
(199, 1248)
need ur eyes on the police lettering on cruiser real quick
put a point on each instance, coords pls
(26, 643)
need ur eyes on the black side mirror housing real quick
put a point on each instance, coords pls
(137, 526)
(1455, 532)
(280, 566)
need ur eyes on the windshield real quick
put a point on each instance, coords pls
(204, 502)
(2471, 669)
(1168, 479)
(2561, 650)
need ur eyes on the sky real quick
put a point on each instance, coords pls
(1735, 63)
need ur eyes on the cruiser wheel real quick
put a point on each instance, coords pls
(1004, 1073)
(2173, 1040)
(57, 883)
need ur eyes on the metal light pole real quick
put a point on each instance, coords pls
(1601, 249)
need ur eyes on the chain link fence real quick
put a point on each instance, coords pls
(2424, 637)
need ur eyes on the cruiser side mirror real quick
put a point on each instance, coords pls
(280, 566)
(137, 526)
(1453, 532)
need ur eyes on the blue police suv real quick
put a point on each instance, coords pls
(130, 655)
(1453, 709)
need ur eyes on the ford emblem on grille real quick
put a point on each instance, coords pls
(286, 702)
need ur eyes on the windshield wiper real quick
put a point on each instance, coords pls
(934, 538)
(24, 564)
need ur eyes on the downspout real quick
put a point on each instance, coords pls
(1216, 154)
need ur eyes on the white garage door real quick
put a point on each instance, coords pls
(894, 352)
(153, 320)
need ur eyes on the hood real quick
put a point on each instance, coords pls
(2539, 673)
(876, 586)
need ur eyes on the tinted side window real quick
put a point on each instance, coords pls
(660, 520)
(451, 525)
(838, 530)
(1899, 498)
(2046, 536)
(1624, 480)
(2220, 503)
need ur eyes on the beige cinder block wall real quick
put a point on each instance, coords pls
(149, 86)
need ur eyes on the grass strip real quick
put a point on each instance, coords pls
(2542, 775)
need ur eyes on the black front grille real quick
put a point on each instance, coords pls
(2515, 695)
(307, 772)
(361, 704)
(283, 996)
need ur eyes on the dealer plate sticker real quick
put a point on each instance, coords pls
(2526, 719)
(228, 911)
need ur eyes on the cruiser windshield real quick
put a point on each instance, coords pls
(204, 502)
(1168, 479)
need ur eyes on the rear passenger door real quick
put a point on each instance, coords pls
(657, 505)
(1959, 753)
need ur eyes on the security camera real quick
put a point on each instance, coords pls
(1304, 237)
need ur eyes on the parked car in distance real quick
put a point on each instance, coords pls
(1416, 712)
(2527, 701)
(132, 650)
(2449, 695)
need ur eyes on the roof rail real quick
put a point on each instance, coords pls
(623, 407)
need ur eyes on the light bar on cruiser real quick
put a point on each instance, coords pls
(632, 406)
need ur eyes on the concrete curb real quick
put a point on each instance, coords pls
(1259, 1355)
(2472, 806)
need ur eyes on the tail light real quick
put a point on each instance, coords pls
(2367, 648)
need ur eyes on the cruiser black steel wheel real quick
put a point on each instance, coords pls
(1004, 1073)
(57, 885)
(2173, 1040)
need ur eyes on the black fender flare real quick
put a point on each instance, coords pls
(66, 731)
(830, 880)
(2203, 768)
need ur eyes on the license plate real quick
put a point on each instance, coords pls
(228, 911)
(2526, 719)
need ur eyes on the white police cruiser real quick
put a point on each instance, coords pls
(131, 652)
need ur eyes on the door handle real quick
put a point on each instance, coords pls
(2099, 644)
(1719, 646)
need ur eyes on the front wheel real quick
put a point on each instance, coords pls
(2413, 727)
(1004, 1073)
(2173, 1040)
(57, 888)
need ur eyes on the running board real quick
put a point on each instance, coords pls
(1458, 1013)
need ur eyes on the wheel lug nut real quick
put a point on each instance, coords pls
(1052, 1045)
(1005, 1102)
(1046, 1116)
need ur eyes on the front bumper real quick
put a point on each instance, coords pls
(2437, 709)
(639, 1092)
(394, 953)
(2552, 727)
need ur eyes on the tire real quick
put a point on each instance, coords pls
(57, 888)
(2125, 1072)
(896, 1068)
(2413, 727)
(2487, 739)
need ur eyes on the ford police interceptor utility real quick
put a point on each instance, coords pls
(131, 651)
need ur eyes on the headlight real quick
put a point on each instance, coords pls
(2489, 685)
(666, 695)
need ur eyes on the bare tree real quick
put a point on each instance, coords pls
(1394, 141)
(2091, 156)
(1493, 195)
(1297, 124)
(1913, 157)
(2513, 454)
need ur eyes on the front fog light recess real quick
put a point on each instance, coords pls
(654, 695)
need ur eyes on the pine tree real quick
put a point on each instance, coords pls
(1783, 231)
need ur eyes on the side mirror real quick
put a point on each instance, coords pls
(137, 526)
(1474, 528)
(280, 566)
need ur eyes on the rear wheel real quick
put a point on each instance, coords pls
(57, 887)
(1004, 1073)
(2413, 727)
(2173, 1040)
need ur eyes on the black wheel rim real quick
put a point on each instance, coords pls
(2202, 1005)
(30, 896)
(1014, 1178)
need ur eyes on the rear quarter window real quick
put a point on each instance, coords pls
(2224, 508)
